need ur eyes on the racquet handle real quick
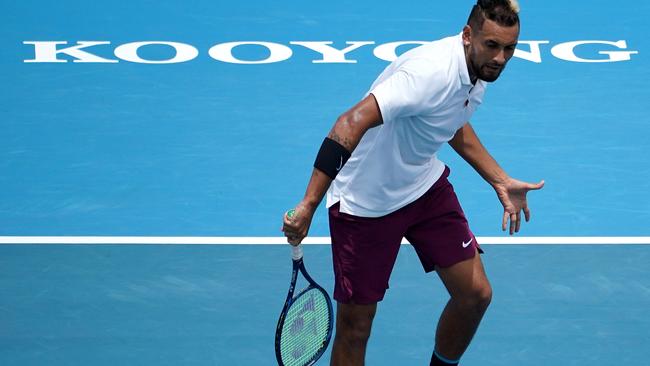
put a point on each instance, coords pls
(296, 252)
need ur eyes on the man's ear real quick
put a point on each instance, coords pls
(467, 35)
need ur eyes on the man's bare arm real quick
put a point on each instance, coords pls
(511, 192)
(347, 131)
(467, 144)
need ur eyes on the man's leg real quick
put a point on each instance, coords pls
(353, 323)
(364, 251)
(470, 296)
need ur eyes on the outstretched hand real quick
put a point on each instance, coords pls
(512, 194)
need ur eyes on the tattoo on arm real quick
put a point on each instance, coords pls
(344, 141)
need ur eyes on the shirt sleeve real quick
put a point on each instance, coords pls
(407, 92)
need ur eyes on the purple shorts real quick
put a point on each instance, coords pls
(364, 249)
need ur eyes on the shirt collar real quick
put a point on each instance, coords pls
(462, 61)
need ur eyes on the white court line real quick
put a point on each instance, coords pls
(278, 240)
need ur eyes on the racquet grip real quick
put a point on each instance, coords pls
(296, 252)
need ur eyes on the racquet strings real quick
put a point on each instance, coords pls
(305, 328)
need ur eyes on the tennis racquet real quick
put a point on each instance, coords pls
(305, 325)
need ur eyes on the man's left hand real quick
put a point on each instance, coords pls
(512, 194)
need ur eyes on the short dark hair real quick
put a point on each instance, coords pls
(503, 12)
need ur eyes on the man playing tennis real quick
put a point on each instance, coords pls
(384, 182)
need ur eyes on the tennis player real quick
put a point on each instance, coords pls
(383, 181)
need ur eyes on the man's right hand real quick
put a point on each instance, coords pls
(296, 226)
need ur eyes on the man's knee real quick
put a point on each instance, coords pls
(477, 299)
(354, 322)
(483, 297)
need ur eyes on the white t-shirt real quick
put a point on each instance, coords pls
(424, 97)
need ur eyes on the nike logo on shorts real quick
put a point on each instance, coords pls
(465, 245)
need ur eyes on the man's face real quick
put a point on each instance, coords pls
(488, 49)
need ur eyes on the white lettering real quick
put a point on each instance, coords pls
(50, 51)
(330, 54)
(223, 52)
(129, 52)
(388, 51)
(47, 52)
(565, 51)
(535, 54)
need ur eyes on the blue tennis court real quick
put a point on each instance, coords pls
(202, 119)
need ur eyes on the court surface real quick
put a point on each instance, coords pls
(220, 145)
